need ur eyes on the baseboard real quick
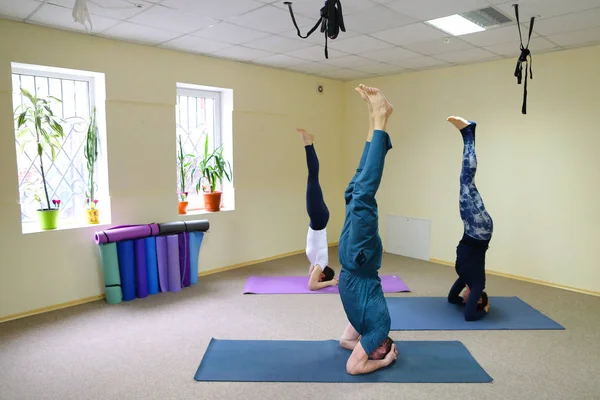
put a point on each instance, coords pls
(526, 279)
(102, 296)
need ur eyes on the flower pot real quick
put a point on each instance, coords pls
(183, 207)
(48, 219)
(212, 201)
(93, 216)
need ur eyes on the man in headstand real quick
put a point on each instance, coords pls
(478, 228)
(360, 250)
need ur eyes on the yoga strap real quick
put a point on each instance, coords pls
(525, 57)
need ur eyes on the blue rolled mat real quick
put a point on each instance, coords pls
(110, 271)
(195, 243)
(435, 313)
(325, 361)
(184, 258)
(151, 265)
(162, 259)
(141, 274)
(173, 263)
(126, 252)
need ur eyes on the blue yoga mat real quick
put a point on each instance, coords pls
(435, 313)
(141, 272)
(195, 243)
(151, 265)
(325, 361)
(126, 253)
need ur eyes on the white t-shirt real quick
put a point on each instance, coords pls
(316, 247)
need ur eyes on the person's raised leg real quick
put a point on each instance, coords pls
(315, 204)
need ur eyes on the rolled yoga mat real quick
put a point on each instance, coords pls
(184, 258)
(195, 243)
(173, 263)
(110, 271)
(128, 232)
(435, 313)
(126, 252)
(325, 361)
(299, 285)
(151, 265)
(172, 228)
(162, 258)
(141, 274)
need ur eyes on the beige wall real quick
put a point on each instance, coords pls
(44, 269)
(538, 173)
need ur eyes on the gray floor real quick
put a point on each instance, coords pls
(151, 348)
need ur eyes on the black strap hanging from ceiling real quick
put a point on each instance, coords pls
(331, 21)
(525, 57)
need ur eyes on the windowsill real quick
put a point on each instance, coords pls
(203, 212)
(34, 226)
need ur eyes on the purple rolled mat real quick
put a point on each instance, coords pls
(184, 258)
(299, 285)
(173, 260)
(162, 258)
(141, 273)
(126, 232)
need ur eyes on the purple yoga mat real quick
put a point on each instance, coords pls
(141, 273)
(173, 258)
(125, 232)
(162, 258)
(299, 285)
(184, 258)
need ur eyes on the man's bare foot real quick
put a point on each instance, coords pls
(458, 122)
(382, 109)
(307, 138)
(364, 97)
(370, 108)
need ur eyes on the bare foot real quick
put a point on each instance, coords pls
(458, 122)
(382, 109)
(307, 138)
(370, 108)
(364, 97)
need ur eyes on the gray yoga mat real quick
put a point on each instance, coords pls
(325, 361)
(173, 228)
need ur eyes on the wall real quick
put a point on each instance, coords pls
(49, 268)
(538, 173)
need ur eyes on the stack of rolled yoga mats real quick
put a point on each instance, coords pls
(141, 260)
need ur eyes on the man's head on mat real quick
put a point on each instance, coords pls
(380, 352)
(481, 303)
(327, 275)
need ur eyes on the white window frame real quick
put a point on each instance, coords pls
(216, 96)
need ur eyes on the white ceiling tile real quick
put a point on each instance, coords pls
(350, 61)
(277, 44)
(577, 37)
(423, 10)
(317, 37)
(393, 54)
(494, 36)
(221, 10)
(312, 8)
(546, 8)
(567, 23)
(359, 44)
(62, 17)
(512, 49)
(195, 45)
(17, 9)
(313, 67)
(269, 19)
(439, 46)
(241, 53)
(117, 9)
(279, 60)
(465, 56)
(414, 33)
(345, 74)
(419, 63)
(139, 34)
(383, 1)
(229, 33)
(379, 68)
(315, 53)
(171, 20)
(376, 19)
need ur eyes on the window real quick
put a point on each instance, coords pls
(79, 93)
(203, 113)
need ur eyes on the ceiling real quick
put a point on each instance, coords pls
(383, 37)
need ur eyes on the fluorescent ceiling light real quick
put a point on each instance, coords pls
(456, 25)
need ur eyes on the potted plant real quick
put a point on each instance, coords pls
(91, 156)
(213, 168)
(184, 161)
(36, 116)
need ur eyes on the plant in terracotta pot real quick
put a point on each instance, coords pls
(91, 155)
(36, 117)
(213, 168)
(184, 162)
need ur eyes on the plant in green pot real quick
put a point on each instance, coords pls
(213, 168)
(184, 163)
(36, 116)
(91, 156)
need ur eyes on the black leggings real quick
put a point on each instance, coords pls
(315, 205)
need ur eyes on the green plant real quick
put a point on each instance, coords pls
(213, 167)
(184, 161)
(46, 128)
(91, 155)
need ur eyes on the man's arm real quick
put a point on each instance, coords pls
(471, 312)
(454, 295)
(359, 362)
